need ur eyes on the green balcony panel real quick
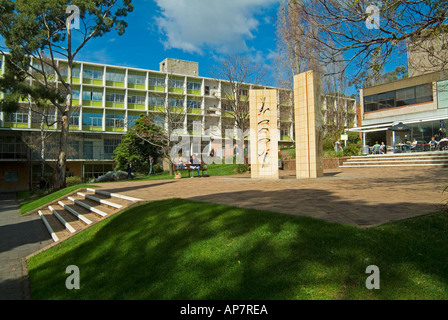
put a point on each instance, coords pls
(113, 129)
(116, 105)
(115, 84)
(134, 106)
(138, 86)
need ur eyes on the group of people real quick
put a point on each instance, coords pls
(379, 148)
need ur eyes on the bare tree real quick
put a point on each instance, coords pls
(366, 34)
(238, 72)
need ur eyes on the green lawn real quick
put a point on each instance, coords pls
(32, 203)
(178, 249)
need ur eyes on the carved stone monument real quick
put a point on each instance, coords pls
(263, 133)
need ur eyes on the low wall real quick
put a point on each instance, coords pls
(329, 163)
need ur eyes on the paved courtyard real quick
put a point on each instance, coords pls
(363, 197)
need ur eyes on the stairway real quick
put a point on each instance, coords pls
(79, 210)
(411, 159)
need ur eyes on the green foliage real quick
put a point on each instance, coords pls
(135, 146)
(71, 181)
(351, 150)
(242, 168)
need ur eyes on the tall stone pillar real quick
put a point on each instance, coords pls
(263, 133)
(308, 126)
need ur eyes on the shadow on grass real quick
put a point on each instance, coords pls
(179, 249)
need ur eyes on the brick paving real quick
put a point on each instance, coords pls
(363, 197)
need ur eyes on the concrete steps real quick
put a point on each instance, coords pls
(412, 159)
(81, 209)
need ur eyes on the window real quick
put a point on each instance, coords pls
(114, 76)
(176, 84)
(156, 101)
(155, 81)
(17, 117)
(423, 93)
(92, 95)
(405, 97)
(194, 104)
(194, 86)
(109, 146)
(114, 121)
(115, 97)
(63, 70)
(175, 102)
(93, 74)
(136, 99)
(87, 149)
(136, 78)
(92, 119)
(398, 98)
(386, 100)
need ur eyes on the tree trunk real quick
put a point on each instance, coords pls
(59, 173)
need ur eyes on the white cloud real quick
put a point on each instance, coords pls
(222, 25)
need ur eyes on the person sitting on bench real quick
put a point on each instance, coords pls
(180, 164)
(195, 164)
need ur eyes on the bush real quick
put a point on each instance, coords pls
(157, 168)
(72, 181)
(242, 168)
(351, 150)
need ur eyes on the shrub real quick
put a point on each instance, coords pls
(157, 168)
(242, 168)
(351, 150)
(71, 181)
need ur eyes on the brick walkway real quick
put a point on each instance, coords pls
(363, 197)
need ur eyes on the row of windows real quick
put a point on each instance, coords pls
(398, 98)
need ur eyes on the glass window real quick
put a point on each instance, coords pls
(136, 99)
(175, 102)
(91, 95)
(194, 86)
(114, 76)
(94, 74)
(156, 81)
(156, 101)
(176, 84)
(193, 104)
(136, 78)
(386, 100)
(423, 93)
(405, 97)
(115, 97)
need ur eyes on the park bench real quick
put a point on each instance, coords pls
(189, 169)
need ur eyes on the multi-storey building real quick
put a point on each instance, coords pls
(107, 99)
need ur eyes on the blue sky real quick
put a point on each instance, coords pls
(194, 30)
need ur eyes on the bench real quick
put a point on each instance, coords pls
(189, 169)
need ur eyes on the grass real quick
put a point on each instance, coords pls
(30, 203)
(179, 249)
(212, 170)
(35, 200)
